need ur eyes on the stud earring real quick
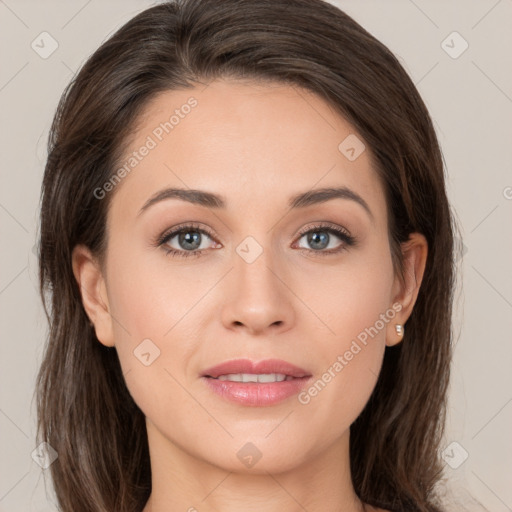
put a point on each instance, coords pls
(399, 329)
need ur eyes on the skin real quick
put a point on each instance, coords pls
(256, 145)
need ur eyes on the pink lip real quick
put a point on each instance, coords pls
(248, 366)
(256, 393)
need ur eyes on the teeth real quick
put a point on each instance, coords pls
(250, 377)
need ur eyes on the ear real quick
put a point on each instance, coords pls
(406, 289)
(93, 290)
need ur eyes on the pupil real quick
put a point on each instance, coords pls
(194, 240)
(318, 241)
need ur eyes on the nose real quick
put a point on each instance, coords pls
(258, 300)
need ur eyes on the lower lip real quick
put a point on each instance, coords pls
(255, 393)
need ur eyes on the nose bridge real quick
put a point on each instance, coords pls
(255, 268)
(258, 300)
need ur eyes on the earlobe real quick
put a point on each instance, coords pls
(93, 291)
(397, 336)
(414, 251)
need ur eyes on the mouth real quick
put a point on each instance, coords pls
(262, 378)
(256, 384)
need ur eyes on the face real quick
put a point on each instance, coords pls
(266, 269)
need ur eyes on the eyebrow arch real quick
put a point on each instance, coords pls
(301, 200)
(321, 195)
(199, 197)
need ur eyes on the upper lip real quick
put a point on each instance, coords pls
(258, 367)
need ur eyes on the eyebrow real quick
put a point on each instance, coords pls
(301, 200)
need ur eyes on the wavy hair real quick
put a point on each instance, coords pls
(85, 411)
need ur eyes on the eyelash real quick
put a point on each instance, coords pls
(347, 239)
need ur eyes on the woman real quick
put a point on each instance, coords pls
(246, 253)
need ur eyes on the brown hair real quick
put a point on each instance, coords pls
(85, 411)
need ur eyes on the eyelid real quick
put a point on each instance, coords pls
(186, 226)
(323, 225)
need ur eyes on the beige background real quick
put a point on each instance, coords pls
(470, 98)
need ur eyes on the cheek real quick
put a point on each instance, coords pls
(350, 297)
(354, 302)
(147, 311)
(157, 310)
(150, 296)
(350, 362)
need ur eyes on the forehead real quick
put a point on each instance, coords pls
(253, 143)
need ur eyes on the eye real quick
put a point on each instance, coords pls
(192, 240)
(322, 236)
(185, 241)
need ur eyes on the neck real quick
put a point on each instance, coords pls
(181, 481)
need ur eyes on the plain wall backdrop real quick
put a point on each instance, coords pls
(457, 52)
